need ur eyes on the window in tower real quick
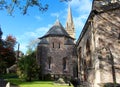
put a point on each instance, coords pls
(59, 45)
(49, 63)
(53, 44)
(64, 63)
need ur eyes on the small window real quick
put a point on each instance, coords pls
(64, 63)
(59, 45)
(53, 44)
(49, 63)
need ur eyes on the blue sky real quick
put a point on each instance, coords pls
(27, 28)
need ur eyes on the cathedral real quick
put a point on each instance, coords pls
(98, 46)
(55, 51)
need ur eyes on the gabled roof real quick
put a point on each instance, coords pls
(56, 30)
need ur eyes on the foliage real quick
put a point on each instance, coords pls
(10, 42)
(47, 77)
(2, 67)
(22, 5)
(27, 67)
(7, 54)
(10, 75)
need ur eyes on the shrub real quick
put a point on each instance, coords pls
(47, 77)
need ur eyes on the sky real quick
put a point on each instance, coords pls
(29, 27)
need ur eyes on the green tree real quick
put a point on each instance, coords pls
(27, 66)
(7, 54)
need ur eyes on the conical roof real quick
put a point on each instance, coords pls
(56, 30)
(44, 41)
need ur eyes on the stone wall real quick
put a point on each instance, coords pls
(107, 36)
(98, 49)
(57, 51)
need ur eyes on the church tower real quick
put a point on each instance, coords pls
(69, 24)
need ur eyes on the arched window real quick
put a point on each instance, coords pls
(80, 58)
(49, 63)
(88, 52)
(64, 63)
(87, 48)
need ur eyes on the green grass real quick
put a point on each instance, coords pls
(13, 79)
(21, 83)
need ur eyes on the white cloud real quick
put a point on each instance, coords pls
(81, 6)
(82, 9)
(79, 24)
(58, 14)
(55, 14)
(38, 17)
(29, 37)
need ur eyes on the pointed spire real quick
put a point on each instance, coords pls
(69, 18)
(69, 24)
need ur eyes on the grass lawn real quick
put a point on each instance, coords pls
(34, 83)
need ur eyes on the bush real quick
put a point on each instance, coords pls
(11, 75)
(47, 77)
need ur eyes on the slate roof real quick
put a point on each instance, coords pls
(69, 42)
(56, 30)
(43, 41)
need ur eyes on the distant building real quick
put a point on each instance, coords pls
(98, 47)
(55, 51)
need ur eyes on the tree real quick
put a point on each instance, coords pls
(27, 66)
(23, 5)
(7, 54)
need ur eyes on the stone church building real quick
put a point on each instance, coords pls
(98, 46)
(97, 49)
(55, 51)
